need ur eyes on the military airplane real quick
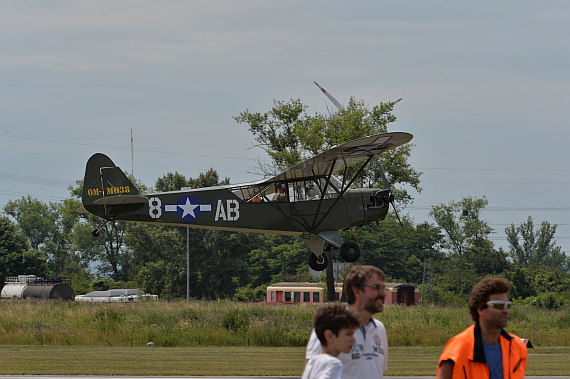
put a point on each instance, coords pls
(307, 200)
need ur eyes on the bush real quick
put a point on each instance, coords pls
(547, 300)
(235, 320)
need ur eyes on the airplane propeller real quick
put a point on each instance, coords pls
(340, 107)
(331, 98)
(390, 199)
(381, 198)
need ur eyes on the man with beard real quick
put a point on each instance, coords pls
(485, 350)
(365, 293)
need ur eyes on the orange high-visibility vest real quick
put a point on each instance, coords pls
(466, 351)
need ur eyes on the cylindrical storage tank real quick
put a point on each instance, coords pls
(60, 291)
(13, 291)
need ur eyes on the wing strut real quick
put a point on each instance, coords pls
(342, 192)
(324, 190)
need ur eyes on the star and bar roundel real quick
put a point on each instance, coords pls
(188, 208)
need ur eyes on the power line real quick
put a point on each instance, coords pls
(34, 195)
(126, 148)
(170, 167)
(495, 169)
(504, 209)
(35, 180)
(493, 182)
(498, 169)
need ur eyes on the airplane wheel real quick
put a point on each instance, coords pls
(318, 264)
(349, 251)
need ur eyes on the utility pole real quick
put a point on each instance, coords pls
(187, 265)
(132, 156)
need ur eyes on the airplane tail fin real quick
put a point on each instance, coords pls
(105, 186)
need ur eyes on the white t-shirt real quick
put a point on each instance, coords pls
(323, 366)
(369, 355)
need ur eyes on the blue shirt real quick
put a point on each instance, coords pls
(494, 359)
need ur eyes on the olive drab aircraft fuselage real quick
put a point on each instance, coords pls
(306, 201)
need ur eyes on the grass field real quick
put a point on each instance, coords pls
(226, 323)
(253, 361)
(231, 338)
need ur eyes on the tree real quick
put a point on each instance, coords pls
(108, 250)
(488, 261)
(471, 252)
(158, 258)
(35, 219)
(176, 181)
(289, 135)
(219, 264)
(538, 248)
(59, 246)
(171, 182)
(48, 228)
(456, 277)
(522, 281)
(15, 259)
(401, 252)
(278, 258)
(462, 224)
(11, 239)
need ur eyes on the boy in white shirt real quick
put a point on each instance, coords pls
(365, 293)
(335, 324)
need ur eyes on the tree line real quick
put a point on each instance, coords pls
(446, 258)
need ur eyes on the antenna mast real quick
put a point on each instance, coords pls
(132, 156)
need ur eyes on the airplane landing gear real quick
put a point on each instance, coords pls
(349, 251)
(318, 263)
(97, 231)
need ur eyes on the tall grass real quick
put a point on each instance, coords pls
(226, 323)
(430, 326)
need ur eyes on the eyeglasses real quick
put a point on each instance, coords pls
(499, 304)
(376, 287)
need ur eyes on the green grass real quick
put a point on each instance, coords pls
(230, 338)
(252, 361)
(226, 323)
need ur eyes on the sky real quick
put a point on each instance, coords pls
(485, 87)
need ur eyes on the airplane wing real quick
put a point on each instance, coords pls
(345, 155)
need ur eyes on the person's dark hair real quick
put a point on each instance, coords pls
(480, 294)
(357, 277)
(334, 317)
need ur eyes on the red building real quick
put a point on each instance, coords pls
(308, 293)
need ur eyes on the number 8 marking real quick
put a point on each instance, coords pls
(155, 210)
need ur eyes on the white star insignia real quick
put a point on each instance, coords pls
(188, 208)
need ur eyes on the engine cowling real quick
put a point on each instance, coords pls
(381, 198)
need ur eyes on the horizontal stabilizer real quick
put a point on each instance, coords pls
(121, 200)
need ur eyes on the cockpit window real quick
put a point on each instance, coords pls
(293, 191)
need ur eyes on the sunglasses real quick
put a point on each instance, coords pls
(499, 304)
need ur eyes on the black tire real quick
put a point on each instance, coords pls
(318, 264)
(349, 251)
